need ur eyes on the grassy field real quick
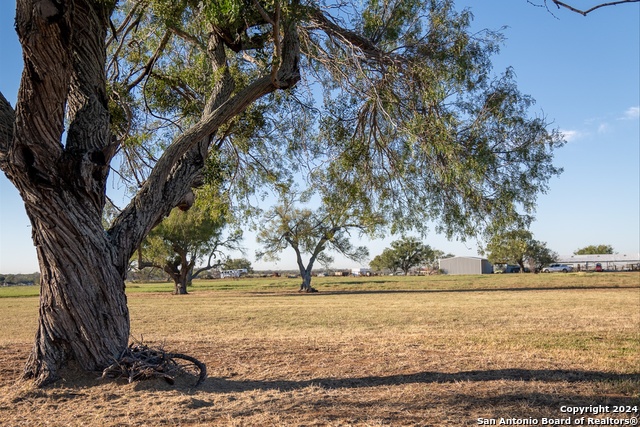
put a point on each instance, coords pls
(428, 351)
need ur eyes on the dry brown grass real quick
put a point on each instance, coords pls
(429, 355)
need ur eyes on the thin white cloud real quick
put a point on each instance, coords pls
(632, 113)
(603, 128)
(571, 135)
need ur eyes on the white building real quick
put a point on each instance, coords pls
(361, 272)
(225, 274)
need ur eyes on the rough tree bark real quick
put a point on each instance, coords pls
(83, 311)
(83, 307)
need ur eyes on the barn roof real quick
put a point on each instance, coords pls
(631, 258)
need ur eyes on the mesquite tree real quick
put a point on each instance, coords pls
(404, 254)
(312, 232)
(410, 119)
(518, 247)
(185, 238)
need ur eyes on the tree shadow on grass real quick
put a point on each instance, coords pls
(574, 387)
(227, 385)
(436, 291)
(532, 393)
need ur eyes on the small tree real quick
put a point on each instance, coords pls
(509, 247)
(518, 247)
(594, 249)
(185, 238)
(404, 254)
(385, 261)
(539, 255)
(311, 232)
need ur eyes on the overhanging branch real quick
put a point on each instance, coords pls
(181, 163)
(560, 4)
(175, 171)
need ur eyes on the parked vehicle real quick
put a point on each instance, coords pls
(554, 268)
(508, 269)
(599, 267)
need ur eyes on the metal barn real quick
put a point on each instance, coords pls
(466, 265)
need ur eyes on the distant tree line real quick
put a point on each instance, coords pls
(19, 279)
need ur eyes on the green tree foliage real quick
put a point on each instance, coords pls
(594, 249)
(404, 254)
(19, 279)
(410, 118)
(185, 238)
(426, 133)
(539, 255)
(518, 247)
(385, 261)
(313, 233)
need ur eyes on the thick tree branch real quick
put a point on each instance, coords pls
(560, 4)
(88, 149)
(225, 85)
(181, 163)
(7, 119)
(190, 38)
(275, 24)
(205, 268)
(148, 67)
(173, 175)
(585, 12)
(365, 45)
(44, 33)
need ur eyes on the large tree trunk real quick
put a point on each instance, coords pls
(181, 279)
(180, 287)
(306, 281)
(521, 264)
(83, 308)
(180, 270)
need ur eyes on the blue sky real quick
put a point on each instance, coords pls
(582, 71)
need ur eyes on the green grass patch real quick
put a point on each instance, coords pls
(19, 291)
(384, 283)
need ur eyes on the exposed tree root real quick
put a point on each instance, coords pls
(140, 362)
